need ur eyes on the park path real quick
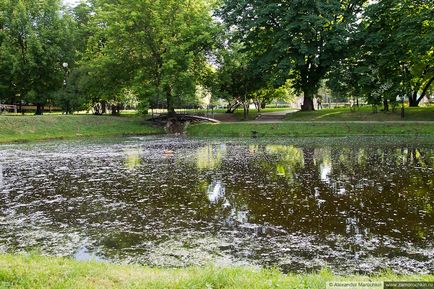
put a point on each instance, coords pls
(276, 116)
(263, 117)
(331, 122)
(279, 117)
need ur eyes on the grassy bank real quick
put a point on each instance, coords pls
(31, 128)
(46, 272)
(364, 114)
(295, 129)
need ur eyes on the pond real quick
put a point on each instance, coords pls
(351, 204)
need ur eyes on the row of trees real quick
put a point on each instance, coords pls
(154, 53)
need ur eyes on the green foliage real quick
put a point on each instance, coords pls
(391, 55)
(165, 53)
(295, 39)
(32, 48)
(236, 77)
(157, 48)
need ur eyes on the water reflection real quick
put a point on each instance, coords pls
(355, 208)
(210, 156)
(133, 158)
(1, 176)
(215, 192)
(290, 159)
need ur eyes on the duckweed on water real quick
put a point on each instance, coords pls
(352, 205)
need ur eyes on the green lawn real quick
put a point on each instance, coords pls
(238, 113)
(294, 129)
(30, 128)
(364, 114)
(32, 271)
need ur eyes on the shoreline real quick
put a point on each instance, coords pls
(19, 129)
(36, 271)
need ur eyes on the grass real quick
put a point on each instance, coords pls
(364, 114)
(294, 129)
(34, 271)
(32, 128)
(238, 113)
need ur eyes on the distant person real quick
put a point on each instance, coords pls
(319, 104)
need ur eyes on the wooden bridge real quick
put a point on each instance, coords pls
(163, 118)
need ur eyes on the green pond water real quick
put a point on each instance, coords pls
(351, 204)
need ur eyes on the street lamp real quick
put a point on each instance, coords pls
(65, 68)
(401, 99)
(404, 83)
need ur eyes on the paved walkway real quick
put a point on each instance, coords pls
(273, 116)
(279, 117)
(330, 122)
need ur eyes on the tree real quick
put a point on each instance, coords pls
(296, 39)
(401, 36)
(268, 93)
(158, 48)
(32, 45)
(236, 77)
(392, 53)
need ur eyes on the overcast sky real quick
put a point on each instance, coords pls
(71, 2)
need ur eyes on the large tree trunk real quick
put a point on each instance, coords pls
(115, 109)
(307, 101)
(246, 110)
(170, 103)
(412, 100)
(386, 105)
(68, 109)
(232, 107)
(258, 105)
(103, 107)
(39, 109)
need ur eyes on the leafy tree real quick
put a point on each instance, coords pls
(401, 36)
(157, 48)
(236, 77)
(296, 39)
(392, 54)
(32, 48)
(268, 93)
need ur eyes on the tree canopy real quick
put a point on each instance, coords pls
(165, 53)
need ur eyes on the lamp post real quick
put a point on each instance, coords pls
(402, 107)
(404, 83)
(401, 99)
(65, 68)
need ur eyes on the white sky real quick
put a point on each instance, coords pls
(71, 2)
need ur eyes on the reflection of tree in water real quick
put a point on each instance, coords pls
(210, 156)
(359, 186)
(290, 159)
(380, 192)
(133, 158)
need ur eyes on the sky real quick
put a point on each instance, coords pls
(71, 2)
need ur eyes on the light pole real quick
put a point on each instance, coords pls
(401, 99)
(65, 68)
(404, 83)
(402, 107)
